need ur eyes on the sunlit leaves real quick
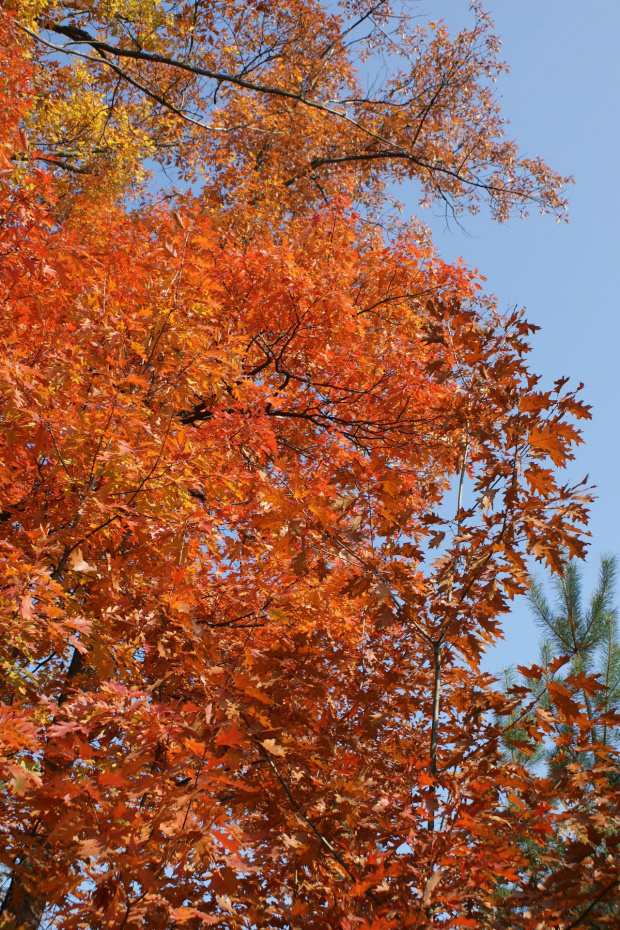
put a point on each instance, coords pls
(270, 107)
(270, 480)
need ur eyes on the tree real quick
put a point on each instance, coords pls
(267, 104)
(576, 691)
(588, 637)
(270, 477)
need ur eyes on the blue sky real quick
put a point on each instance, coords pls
(562, 97)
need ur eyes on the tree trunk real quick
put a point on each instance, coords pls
(22, 908)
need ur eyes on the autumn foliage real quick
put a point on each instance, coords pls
(270, 474)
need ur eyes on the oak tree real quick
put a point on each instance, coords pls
(271, 472)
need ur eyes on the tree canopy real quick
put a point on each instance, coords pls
(271, 471)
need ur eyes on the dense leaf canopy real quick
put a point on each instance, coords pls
(271, 471)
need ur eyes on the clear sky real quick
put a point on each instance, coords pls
(562, 97)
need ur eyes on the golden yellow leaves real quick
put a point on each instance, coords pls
(288, 131)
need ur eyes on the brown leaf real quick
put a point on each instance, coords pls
(273, 748)
(78, 564)
(430, 885)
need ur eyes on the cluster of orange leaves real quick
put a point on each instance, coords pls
(226, 464)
